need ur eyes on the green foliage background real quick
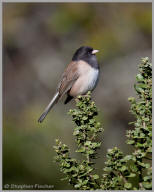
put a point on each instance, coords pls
(39, 40)
(119, 169)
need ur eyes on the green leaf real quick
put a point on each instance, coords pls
(87, 143)
(147, 185)
(129, 157)
(123, 168)
(107, 169)
(85, 118)
(85, 182)
(128, 185)
(134, 168)
(131, 175)
(131, 99)
(81, 150)
(146, 178)
(77, 185)
(130, 142)
(139, 89)
(95, 176)
(139, 77)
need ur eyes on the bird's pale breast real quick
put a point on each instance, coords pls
(87, 80)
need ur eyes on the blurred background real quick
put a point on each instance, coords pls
(39, 40)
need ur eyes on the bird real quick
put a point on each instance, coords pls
(80, 76)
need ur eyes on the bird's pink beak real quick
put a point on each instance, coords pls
(95, 51)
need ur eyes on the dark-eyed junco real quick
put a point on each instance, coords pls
(79, 77)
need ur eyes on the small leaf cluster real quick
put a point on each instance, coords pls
(114, 168)
(87, 127)
(141, 136)
(119, 171)
(122, 170)
(81, 174)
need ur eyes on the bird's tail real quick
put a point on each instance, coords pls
(48, 108)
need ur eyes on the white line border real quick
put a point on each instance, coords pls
(78, 1)
(50, 1)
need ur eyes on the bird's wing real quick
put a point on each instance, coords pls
(69, 76)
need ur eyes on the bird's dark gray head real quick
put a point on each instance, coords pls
(86, 54)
